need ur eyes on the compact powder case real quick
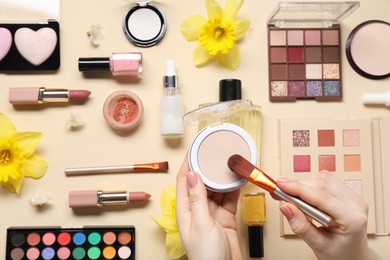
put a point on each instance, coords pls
(368, 50)
(144, 24)
(210, 152)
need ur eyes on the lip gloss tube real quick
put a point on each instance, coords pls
(120, 64)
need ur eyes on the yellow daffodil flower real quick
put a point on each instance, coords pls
(168, 223)
(17, 157)
(217, 37)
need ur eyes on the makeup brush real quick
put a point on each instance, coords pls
(244, 168)
(135, 168)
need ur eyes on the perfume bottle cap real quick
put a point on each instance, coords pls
(229, 89)
(256, 243)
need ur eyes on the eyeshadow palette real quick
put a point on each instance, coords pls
(344, 147)
(97, 242)
(304, 53)
(30, 46)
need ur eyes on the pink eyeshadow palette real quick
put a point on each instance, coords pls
(305, 65)
(304, 52)
(30, 46)
(355, 150)
(100, 242)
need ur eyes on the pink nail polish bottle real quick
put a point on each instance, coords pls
(120, 64)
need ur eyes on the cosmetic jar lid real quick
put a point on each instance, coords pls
(94, 64)
(368, 49)
(311, 14)
(209, 153)
(123, 110)
(144, 24)
(218, 113)
(229, 89)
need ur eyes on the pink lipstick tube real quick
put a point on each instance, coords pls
(98, 198)
(120, 64)
(40, 95)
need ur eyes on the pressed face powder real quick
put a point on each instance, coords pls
(368, 49)
(144, 24)
(215, 151)
(210, 152)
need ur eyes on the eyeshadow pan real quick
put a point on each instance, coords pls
(314, 88)
(301, 163)
(279, 88)
(313, 71)
(32, 253)
(278, 55)
(332, 88)
(278, 72)
(296, 71)
(331, 54)
(331, 71)
(313, 37)
(295, 54)
(94, 252)
(109, 252)
(330, 37)
(327, 163)
(352, 163)
(351, 137)
(313, 54)
(79, 253)
(33, 239)
(296, 88)
(326, 138)
(295, 37)
(301, 138)
(355, 185)
(278, 38)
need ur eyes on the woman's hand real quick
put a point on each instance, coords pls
(346, 238)
(206, 220)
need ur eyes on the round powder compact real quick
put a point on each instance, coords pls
(368, 49)
(210, 152)
(144, 24)
(123, 110)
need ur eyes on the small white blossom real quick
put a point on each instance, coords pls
(95, 34)
(39, 198)
(75, 121)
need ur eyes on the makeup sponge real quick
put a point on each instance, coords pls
(35, 46)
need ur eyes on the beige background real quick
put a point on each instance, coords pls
(96, 144)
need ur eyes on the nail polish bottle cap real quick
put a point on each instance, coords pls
(94, 64)
(256, 243)
(229, 89)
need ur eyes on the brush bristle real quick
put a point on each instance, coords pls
(240, 165)
(163, 166)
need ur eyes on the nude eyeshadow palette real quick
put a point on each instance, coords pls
(89, 242)
(304, 50)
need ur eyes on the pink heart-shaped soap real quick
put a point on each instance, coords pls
(5, 42)
(35, 46)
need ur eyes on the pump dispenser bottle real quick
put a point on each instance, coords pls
(171, 106)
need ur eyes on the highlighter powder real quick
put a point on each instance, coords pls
(210, 152)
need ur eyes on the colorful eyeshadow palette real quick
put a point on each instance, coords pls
(345, 148)
(103, 242)
(304, 53)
